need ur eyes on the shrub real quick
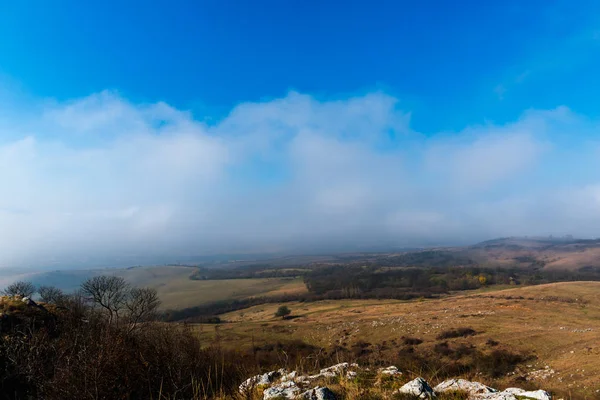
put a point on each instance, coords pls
(283, 311)
(412, 341)
(455, 333)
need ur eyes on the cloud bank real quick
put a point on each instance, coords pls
(102, 176)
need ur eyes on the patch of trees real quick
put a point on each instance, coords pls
(373, 281)
(248, 272)
(428, 258)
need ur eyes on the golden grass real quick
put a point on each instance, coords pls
(558, 323)
(177, 291)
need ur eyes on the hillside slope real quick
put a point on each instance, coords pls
(556, 325)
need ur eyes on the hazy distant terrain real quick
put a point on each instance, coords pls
(238, 278)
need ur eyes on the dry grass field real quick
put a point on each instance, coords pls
(558, 324)
(177, 291)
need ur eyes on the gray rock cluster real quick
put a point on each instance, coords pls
(476, 390)
(291, 385)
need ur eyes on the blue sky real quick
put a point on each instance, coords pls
(179, 128)
(451, 65)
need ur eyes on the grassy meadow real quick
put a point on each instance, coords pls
(556, 325)
(177, 291)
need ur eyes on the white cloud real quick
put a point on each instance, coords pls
(102, 177)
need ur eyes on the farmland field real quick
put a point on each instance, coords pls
(177, 291)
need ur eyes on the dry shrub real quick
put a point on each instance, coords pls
(455, 333)
(72, 354)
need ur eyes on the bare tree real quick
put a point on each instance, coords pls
(142, 305)
(107, 292)
(20, 288)
(51, 294)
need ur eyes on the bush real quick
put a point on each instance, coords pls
(68, 354)
(283, 311)
(455, 333)
(412, 341)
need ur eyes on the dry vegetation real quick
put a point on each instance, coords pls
(554, 328)
(177, 290)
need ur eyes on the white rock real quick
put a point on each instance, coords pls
(472, 388)
(391, 370)
(259, 380)
(334, 370)
(418, 387)
(532, 394)
(287, 390)
(318, 393)
(28, 301)
(496, 396)
(289, 377)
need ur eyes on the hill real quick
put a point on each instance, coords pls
(569, 254)
(550, 332)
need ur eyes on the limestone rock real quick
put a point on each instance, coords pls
(473, 388)
(391, 370)
(259, 380)
(334, 370)
(286, 390)
(318, 393)
(533, 394)
(289, 377)
(28, 301)
(496, 396)
(418, 387)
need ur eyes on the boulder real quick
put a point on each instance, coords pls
(532, 394)
(351, 375)
(318, 393)
(473, 388)
(286, 390)
(418, 387)
(289, 377)
(28, 301)
(391, 370)
(496, 396)
(334, 370)
(259, 380)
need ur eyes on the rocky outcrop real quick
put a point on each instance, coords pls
(473, 388)
(286, 390)
(391, 370)
(335, 370)
(534, 394)
(260, 380)
(283, 384)
(419, 388)
(318, 393)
